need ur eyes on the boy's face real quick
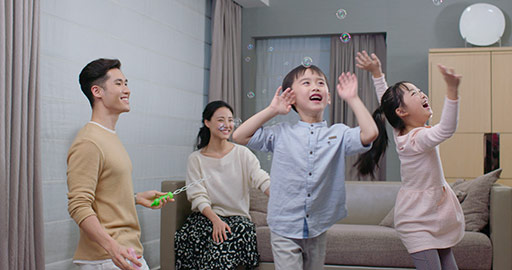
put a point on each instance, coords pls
(311, 93)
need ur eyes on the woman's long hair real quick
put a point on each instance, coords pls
(203, 137)
(391, 100)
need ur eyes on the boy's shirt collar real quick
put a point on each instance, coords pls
(317, 124)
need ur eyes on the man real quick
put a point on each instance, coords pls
(100, 190)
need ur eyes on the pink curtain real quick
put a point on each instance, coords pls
(226, 55)
(343, 60)
(21, 214)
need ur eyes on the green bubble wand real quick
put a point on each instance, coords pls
(171, 194)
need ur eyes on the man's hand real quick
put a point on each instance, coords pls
(146, 198)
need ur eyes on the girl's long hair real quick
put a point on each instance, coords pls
(203, 137)
(391, 100)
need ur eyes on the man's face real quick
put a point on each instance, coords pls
(114, 92)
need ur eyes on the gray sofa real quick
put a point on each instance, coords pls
(358, 242)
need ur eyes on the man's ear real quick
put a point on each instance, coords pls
(96, 91)
(401, 112)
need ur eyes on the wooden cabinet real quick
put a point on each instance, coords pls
(485, 106)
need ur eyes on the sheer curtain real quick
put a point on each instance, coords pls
(21, 213)
(343, 60)
(226, 54)
(275, 57)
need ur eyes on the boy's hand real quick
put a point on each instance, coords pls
(347, 86)
(372, 64)
(452, 81)
(282, 104)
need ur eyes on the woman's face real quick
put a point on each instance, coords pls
(221, 124)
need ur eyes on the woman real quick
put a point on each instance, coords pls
(219, 233)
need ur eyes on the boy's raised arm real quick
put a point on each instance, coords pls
(281, 104)
(347, 90)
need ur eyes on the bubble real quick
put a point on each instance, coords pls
(286, 63)
(269, 157)
(270, 49)
(251, 94)
(247, 59)
(437, 2)
(237, 122)
(341, 13)
(307, 61)
(250, 46)
(264, 91)
(345, 37)
(222, 127)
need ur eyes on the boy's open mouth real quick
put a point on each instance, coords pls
(315, 97)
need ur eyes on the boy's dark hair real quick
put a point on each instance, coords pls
(203, 137)
(299, 71)
(390, 101)
(95, 73)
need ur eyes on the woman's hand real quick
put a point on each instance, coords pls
(219, 230)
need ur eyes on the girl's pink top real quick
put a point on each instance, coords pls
(427, 212)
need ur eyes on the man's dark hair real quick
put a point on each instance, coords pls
(95, 73)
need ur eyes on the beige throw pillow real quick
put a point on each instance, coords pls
(475, 205)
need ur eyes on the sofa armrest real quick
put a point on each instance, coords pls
(500, 221)
(172, 217)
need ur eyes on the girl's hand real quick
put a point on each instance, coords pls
(452, 81)
(282, 104)
(372, 64)
(347, 86)
(219, 231)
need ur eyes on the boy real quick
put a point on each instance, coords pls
(100, 190)
(307, 193)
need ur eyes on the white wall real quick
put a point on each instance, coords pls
(164, 48)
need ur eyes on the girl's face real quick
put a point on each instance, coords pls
(221, 124)
(416, 111)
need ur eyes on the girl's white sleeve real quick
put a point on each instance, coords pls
(380, 86)
(429, 137)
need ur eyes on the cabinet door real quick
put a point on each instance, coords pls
(474, 91)
(502, 92)
(463, 155)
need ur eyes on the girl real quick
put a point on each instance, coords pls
(428, 216)
(219, 233)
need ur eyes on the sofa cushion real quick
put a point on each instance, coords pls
(258, 207)
(373, 245)
(475, 204)
(473, 196)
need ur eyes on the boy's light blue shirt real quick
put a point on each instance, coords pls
(307, 174)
